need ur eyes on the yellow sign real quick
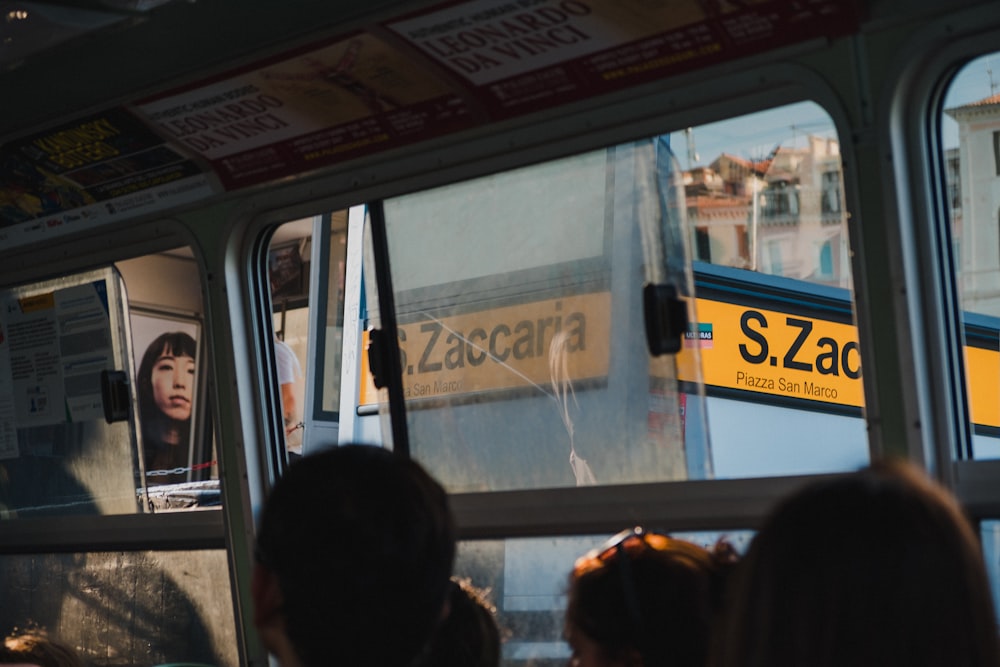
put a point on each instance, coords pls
(983, 370)
(31, 304)
(781, 354)
(771, 352)
(739, 347)
(502, 348)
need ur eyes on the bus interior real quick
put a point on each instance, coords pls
(593, 264)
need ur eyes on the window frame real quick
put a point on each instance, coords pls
(925, 67)
(125, 532)
(733, 504)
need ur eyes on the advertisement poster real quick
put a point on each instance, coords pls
(94, 169)
(8, 428)
(351, 97)
(524, 54)
(420, 76)
(57, 343)
(165, 349)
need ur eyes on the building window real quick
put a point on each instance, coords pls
(996, 152)
(826, 260)
(830, 202)
(743, 239)
(704, 244)
(774, 256)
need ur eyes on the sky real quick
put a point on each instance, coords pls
(755, 137)
(972, 83)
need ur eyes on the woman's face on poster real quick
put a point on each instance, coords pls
(173, 381)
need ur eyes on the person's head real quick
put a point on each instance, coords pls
(645, 600)
(34, 647)
(469, 635)
(877, 568)
(165, 381)
(355, 548)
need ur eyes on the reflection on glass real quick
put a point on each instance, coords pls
(971, 138)
(179, 468)
(526, 580)
(520, 300)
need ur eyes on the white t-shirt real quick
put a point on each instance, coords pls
(289, 372)
(289, 369)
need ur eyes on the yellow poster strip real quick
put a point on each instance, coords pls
(739, 347)
(502, 348)
(31, 304)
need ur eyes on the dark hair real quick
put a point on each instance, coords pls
(469, 635)
(677, 590)
(35, 647)
(878, 568)
(177, 343)
(362, 543)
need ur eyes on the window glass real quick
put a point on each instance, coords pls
(102, 384)
(288, 261)
(525, 579)
(308, 319)
(332, 321)
(775, 176)
(289, 258)
(125, 608)
(970, 127)
(519, 298)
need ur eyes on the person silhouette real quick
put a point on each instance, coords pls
(355, 547)
(876, 568)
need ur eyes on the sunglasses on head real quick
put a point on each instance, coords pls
(614, 550)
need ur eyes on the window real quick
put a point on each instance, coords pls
(65, 341)
(775, 264)
(826, 259)
(830, 202)
(526, 580)
(104, 386)
(996, 152)
(743, 241)
(132, 607)
(704, 243)
(306, 268)
(971, 141)
(519, 308)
